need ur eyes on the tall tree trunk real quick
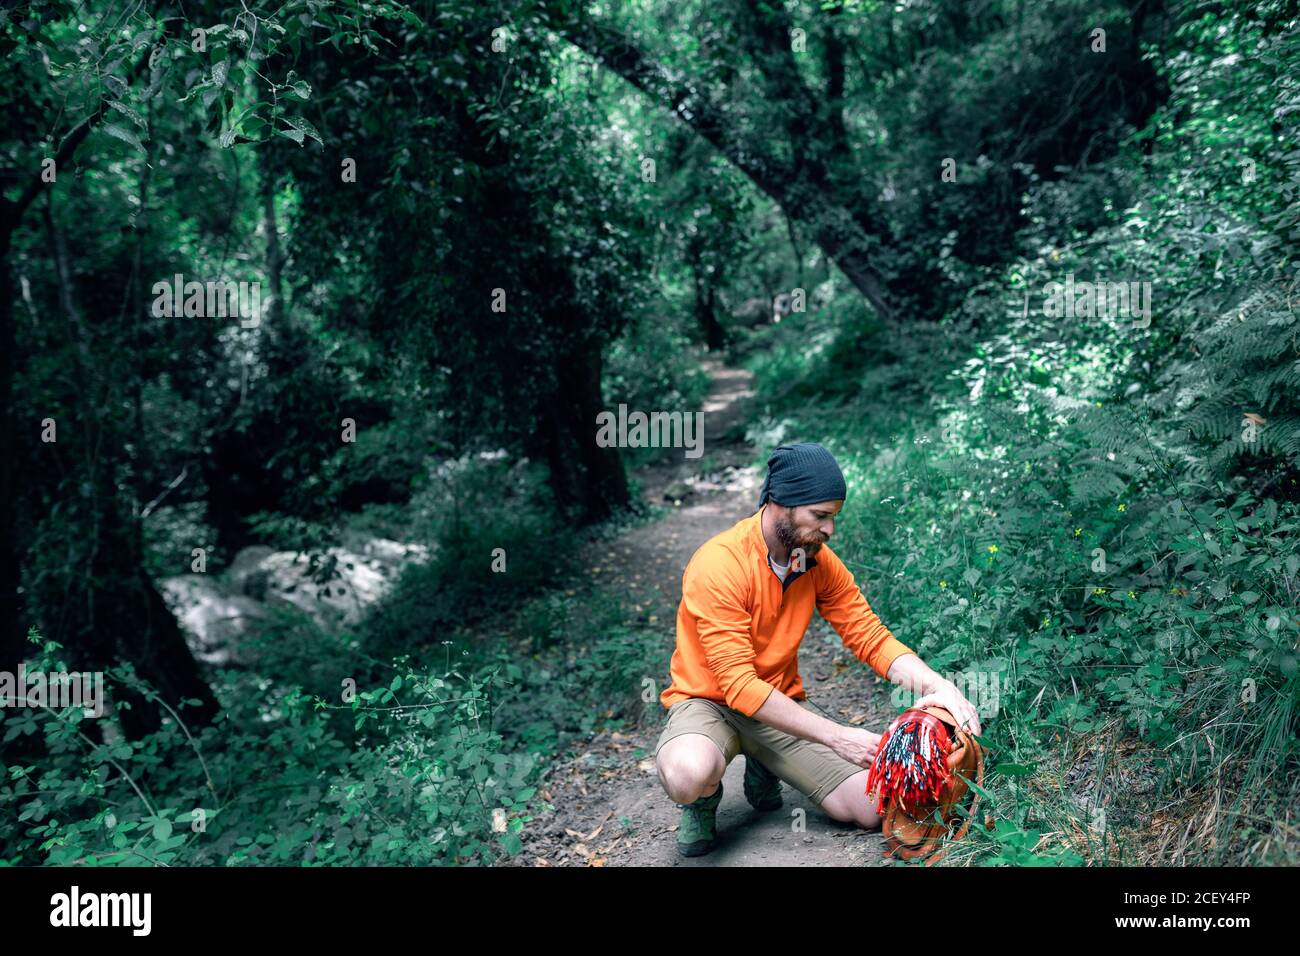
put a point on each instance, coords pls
(274, 257)
(714, 334)
(237, 481)
(14, 621)
(12, 630)
(587, 480)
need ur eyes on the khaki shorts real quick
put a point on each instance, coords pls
(811, 768)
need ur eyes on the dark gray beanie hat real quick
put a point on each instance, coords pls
(802, 474)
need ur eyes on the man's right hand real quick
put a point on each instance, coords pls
(855, 745)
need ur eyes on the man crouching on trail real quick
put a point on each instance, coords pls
(747, 597)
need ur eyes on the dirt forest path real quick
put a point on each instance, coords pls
(610, 809)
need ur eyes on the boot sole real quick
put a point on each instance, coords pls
(695, 849)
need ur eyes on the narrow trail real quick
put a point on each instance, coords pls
(610, 809)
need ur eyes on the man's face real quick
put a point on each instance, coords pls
(807, 526)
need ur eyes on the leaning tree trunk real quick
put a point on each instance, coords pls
(803, 190)
(119, 613)
(136, 624)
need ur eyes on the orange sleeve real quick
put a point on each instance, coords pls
(714, 596)
(840, 601)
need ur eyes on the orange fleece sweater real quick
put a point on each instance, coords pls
(739, 628)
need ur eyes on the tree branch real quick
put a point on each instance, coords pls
(77, 135)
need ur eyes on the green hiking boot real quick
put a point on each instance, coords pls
(699, 825)
(762, 786)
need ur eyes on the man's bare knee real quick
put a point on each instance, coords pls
(690, 766)
(850, 803)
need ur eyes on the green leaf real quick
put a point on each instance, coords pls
(1015, 769)
(125, 136)
(976, 787)
(162, 828)
(133, 115)
(304, 127)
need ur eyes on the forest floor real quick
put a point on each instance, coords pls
(610, 809)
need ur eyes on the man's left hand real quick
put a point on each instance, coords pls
(946, 695)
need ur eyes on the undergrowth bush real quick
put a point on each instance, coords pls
(423, 780)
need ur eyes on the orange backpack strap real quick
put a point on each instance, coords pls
(968, 741)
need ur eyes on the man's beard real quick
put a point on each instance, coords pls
(788, 534)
